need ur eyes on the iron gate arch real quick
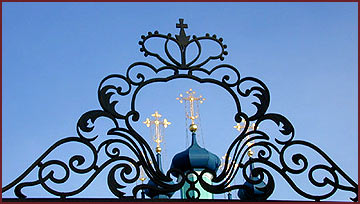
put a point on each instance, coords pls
(181, 69)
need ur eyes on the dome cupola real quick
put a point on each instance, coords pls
(195, 157)
(253, 192)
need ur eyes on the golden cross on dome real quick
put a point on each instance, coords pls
(238, 126)
(191, 98)
(158, 137)
(142, 176)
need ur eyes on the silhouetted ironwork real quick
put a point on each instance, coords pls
(274, 154)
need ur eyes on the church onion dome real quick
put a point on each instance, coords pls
(195, 157)
(153, 193)
(253, 192)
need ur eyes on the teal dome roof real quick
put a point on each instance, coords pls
(153, 193)
(195, 157)
(253, 191)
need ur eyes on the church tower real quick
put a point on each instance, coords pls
(252, 192)
(194, 158)
(157, 138)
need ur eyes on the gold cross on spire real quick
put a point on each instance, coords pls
(191, 98)
(142, 176)
(238, 126)
(158, 136)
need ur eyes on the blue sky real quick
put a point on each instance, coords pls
(56, 54)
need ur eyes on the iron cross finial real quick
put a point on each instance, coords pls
(181, 24)
(182, 38)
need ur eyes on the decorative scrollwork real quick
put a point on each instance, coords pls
(182, 41)
(124, 137)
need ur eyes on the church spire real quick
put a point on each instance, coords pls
(158, 137)
(159, 133)
(239, 127)
(254, 191)
(194, 158)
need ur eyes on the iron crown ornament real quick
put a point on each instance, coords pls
(273, 154)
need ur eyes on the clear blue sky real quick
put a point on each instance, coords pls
(56, 54)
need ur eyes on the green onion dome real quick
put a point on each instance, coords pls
(153, 193)
(253, 191)
(195, 157)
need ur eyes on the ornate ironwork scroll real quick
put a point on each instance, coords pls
(274, 155)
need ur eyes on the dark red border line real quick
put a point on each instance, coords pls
(164, 1)
(358, 101)
(178, 1)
